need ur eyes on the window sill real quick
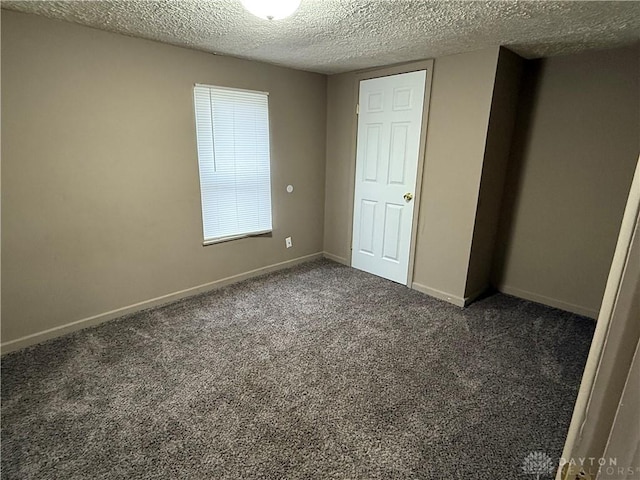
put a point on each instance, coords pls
(214, 241)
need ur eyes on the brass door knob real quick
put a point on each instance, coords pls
(408, 197)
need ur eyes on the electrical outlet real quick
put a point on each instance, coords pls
(287, 242)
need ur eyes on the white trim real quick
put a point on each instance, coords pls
(336, 258)
(38, 337)
(552, 302)
(439, 294)
(213, 241)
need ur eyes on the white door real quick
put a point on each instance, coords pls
(389, 126)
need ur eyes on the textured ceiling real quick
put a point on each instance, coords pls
(331, 36)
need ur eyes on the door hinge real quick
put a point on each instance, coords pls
(357, 109)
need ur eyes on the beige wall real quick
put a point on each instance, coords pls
(341, 120)
(494, 167)
(100, 192)
(575, 148)
(100, 195)
(461, 96)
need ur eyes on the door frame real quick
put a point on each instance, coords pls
(615, 314)
(379, 73)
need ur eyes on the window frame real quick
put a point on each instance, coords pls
(258, 233)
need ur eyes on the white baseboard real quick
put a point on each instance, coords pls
(447, 297)
(551, 302)
(38, 337)
(336, 258)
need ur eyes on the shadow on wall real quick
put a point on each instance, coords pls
(573, 154)
(517, 157)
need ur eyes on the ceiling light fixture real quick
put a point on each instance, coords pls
(271, 9)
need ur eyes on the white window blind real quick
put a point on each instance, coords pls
(232, 128)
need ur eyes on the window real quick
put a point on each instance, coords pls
(232, 129)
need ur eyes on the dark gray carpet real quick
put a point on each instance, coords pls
(320, 372)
